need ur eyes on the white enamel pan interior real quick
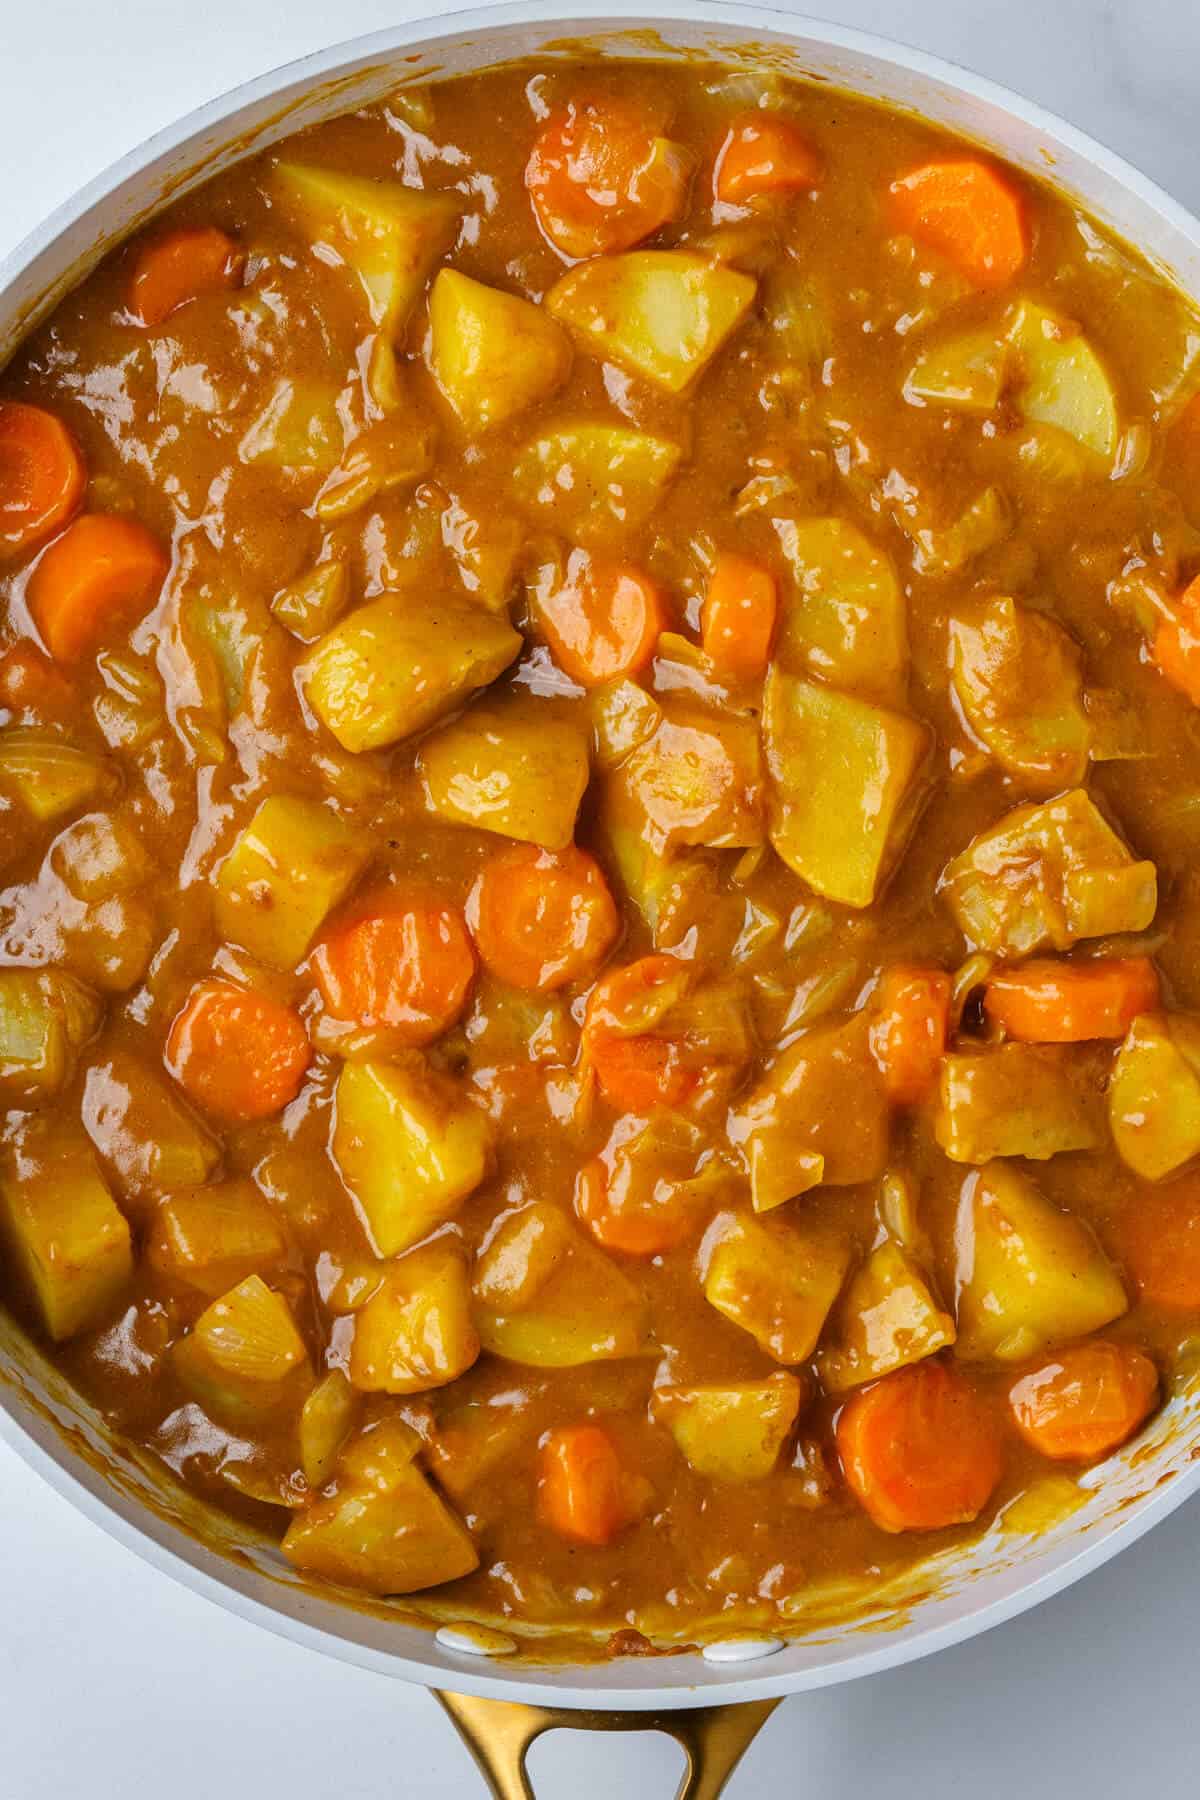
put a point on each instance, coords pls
(42, 1419)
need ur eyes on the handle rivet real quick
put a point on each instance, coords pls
(475, 1640)
(740, 1649)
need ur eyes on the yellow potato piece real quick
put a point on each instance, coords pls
(50, 778)
(1017, 678)
(965, 373)
(776, 1282)
(211, 1238)
(69, 1242)
(510, 770)
(592, 481)
(1028, 1100)
(662, 313)
(731, 1432)
(143, 1130)
(1154, 1094)
(46, 1016)
(696, 780)
(1063, 382)
(548, 1297)
(287, 870)
(888, 1318)
(416, 1331)
(845, 618)
(492, 354)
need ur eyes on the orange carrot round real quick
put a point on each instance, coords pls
(1048, 1002)
(175, 269)
(240, 1055)
(542, 918)
(601, 178)
(42, 475)
(405, 968)
(1085, 1401)
(1176, 647)
(1159, 1234)
(584, 1493)
(638, 1218)
(737, 621)
(29, 682)
(919, 1450)
(910, 1028)
(603, 621)
(764, 154)
(968, 212)
(104, 572)
(637, 1071)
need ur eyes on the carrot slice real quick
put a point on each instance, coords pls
(238, 1054)
(969, 213)
(919, 1450)
(30, 683)
(603, 621)
(909, 1032)
(1176, 647)
(638, 1218)
(601, 178)
(636, 1070)
(1160, 1237)
(42, 475)
(176, 268)
(101, 574)
(738, 617)
(542, 918)
(763, 154)
(1048, 1002)
(403, 968)
(1085, 1401)
(584, 1492)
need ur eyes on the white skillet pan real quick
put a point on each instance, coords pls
(712, 1700)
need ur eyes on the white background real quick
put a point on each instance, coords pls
(113, 1681)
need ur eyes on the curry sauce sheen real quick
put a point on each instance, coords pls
(599, 788)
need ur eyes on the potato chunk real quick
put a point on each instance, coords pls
(1063, 382)
(965, 372)
(592, 481)
(400, 663)
(833, 757)
(818, 1115)
(1016, 676)
(731, 1432)
(1014, 1100)
(662, 313)
(549, 1298)
(297, 432)
(846, 618)
(143, 1130)
(388, 234)
(695, 781)
(491, 353)
(1028, 1274)
(408, 1147)
(776, 1282)
(46, 1016)
(289, 868)
(508, 770)
(1046, 876)
(212, 1238)
(384, 1529)
(416, 1330)
(887, 1319)
(69, 1242)
(48, 776)
(1154, 1094)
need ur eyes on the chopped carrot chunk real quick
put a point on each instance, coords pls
(176, 268)
(602, 179)
(405, 968)
(603, 621)
(1085, 1401)
(104, 572)
(584, 1492)
(919, 1449)
(1176, 647)
(542, 918)
(30, 683)
(42, 475)
(738, 618)
(909, 1032)
(637, 1217)
(637, 1070)
(969, 213)
(1048, 1002)
(763, 154)
(240, 1055)
(1159, 1233)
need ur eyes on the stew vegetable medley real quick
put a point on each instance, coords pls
(599, 809)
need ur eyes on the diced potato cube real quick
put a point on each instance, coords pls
(390, 235)
(49, 777)
(732, 1432)
(143, 1130)
(471, 1441)
(1046, 876)
(408, 1147)
(845, 619)
(46, 1016)
(831, 756)
(70, 1243)
(402, 662)
(310, 606)
(793, 1131)
(508, 770)
(212, 1238)
(384, 1529)
(775, 1281)
(392, 453)
(1016, 675)
(110, 943)
(1028, 1274)
(491, 353)
(297, 431)
(550, 1298)
(624, 715)
(1064, 383)
(1154, 1094)
(416, 1331)
(592, 481)
(486, 546)
(98, 857)
(940, 550)
(695, 781)
(288, 869)
(1014, 1100)
(888, 1318)
(244, 1358)
(326, 1420)
(965, 372)
(662, 313)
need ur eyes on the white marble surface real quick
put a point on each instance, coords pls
(113, 1681)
